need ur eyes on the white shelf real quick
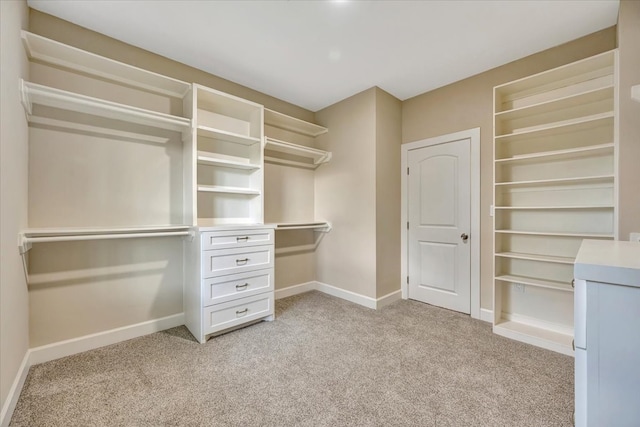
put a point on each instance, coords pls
(571, 101)
(208, 132)
(540, 283)
(535, 257)
(317, 157)
(65, 234)
(228, 190)
(600, 179)
(572, 73)
(562, 208)
(635, 92)
(550, 233)
(282, 121)
(33, 93)
(318, 226)
(52, 52)
(210, 159)
(574, 125)
(571, 153)
(538, 336)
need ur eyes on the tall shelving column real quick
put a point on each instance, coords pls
(227, 158)
(554, 185)
(289, 143)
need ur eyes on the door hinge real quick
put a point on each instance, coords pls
(407, 225)
(407, 171)
(407, 280)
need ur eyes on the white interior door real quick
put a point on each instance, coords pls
(439, 202)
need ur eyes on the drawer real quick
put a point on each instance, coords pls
(230, 261)
(236, 238)
(237, 312)
(226, 288)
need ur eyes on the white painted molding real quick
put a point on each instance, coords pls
(346, 295)
(388, 299)
(340, 293)
(486, 315)
(15, 390)
(60, 349)
(295, 290)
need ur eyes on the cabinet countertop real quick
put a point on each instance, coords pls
(605, 261)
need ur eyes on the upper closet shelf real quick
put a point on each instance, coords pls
(33, 93)
(317, 157)
(282, 121)
(55, 53)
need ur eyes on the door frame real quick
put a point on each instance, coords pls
(474, 137)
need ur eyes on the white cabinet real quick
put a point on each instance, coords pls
(229, 280)
(607, 320)
(554, 185)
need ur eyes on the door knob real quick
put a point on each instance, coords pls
(464, 237)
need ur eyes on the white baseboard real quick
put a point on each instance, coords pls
(486, 315)
(295, 290)
(14, 391)
(60, 349)
(340, 293)
(389, 298)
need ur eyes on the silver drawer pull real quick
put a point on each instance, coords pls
(242, 312)
(240, 239)
(573, 283)
(242, 261)
(238, 287)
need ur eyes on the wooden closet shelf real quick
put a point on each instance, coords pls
(571, 153)
(55, 53)
(228, 190)
(316, 157)
(236, 138)
(282, 121)
(535, 335)
(317, 226)
(536, 257)
(33, 93)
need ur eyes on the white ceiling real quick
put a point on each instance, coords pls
(315, 53)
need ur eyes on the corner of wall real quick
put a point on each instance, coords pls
(14, 298)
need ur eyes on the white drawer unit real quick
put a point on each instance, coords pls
(229, 279)
(230, 261)
(221, 289)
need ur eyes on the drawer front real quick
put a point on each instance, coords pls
(234, 313)
(236, 238)
(230, 261)
(226, 288)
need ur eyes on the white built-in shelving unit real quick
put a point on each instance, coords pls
(226, 159)
(554, 185)
(82, 144)
(290, 145)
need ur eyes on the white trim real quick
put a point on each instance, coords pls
(14, 391)
(60, 349)
(347, 295)
(388, 298)
(340, 293)
(486, 315)
(474, 136)
(295, 290)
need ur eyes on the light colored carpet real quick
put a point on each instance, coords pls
(322, 362)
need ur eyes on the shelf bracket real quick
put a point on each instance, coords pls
(24, 98)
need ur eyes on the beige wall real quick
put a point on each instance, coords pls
(629, 113)
(73, 35)
(469, 103)
(14, 309)
(346, 195)
(388, 139)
